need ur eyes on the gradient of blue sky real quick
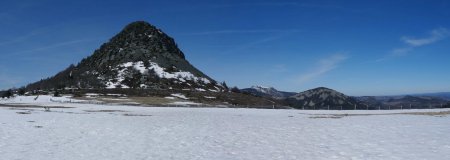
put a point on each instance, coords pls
(357, 47)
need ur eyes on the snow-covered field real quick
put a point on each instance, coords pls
(102, 132)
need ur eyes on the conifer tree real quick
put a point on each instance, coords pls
(22, 91)
(225, 85)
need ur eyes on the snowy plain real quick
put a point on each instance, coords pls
(113, 132)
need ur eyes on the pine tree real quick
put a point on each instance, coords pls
(225, 86)
(22, 91)
(147, 64)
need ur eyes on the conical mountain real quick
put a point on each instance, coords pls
(140, 56)
(323, 98)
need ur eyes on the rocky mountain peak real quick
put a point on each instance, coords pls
(138, 41)
(139, 56)
(139, 25)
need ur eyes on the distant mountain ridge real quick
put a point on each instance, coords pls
(325, 98)
(267, 92)
(407, 101)
(443, 95)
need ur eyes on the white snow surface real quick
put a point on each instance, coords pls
(106, 132)
(186, 103)
(179, 95)
(209, 97)
(262, 89)
(200, 89)
(38, 100)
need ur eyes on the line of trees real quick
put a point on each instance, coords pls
(6, 94)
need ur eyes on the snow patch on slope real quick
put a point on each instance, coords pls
(178, 95)
(181, 76)
(264, 89)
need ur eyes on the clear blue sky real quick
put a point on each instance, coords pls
(356, 47)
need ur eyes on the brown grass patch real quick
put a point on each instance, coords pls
(436, 114)
(151, 100)
(21, 106)
(23, 112)
(327, 116)
(131, 100)
(137, 115)
(104, 111)
(441, 114)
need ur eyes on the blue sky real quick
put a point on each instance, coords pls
(356, 47)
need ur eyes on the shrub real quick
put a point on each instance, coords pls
(56, 93)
